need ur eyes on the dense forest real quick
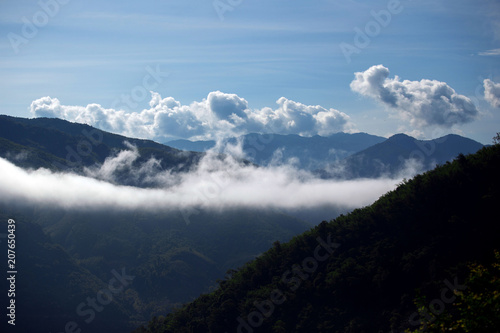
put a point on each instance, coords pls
(60, 145)
(65, 257)
(419, 258)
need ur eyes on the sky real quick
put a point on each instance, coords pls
(197, 69)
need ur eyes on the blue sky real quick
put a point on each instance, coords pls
(252, 53)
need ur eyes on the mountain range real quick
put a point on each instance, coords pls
(60, 145)
(306, 152)
(344, 155)
(68, 256)
(399, 153)
(423, 257)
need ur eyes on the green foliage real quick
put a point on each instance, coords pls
(51, 284)
(54, 144)
(476, 309)
(496, 139)
(172, 262)
(412, 238)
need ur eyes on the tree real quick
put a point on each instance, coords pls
(496, 139)
(477, 307)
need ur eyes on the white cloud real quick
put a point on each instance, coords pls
(220, 114)
(489, 53)
(422, 103)
(92, 114)
(492, 92)
(216, 183)
(297, 118)
(226, 106)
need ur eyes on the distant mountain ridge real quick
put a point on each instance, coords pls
(399, 152)
(64, 146)
(306, 152)
(344, 155)
(60, 145)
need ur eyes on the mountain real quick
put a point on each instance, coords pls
(343, 155)
(399, 152)
(50, 286)
(306, 152)
(60, 145)
(362, 272)
(199, 146)
(65, 252)
(69, 255)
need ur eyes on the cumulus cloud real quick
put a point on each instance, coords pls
(296, 118)
(492, 92)
(422, 103)
(92, 114)
(220, 114)
(218, 182)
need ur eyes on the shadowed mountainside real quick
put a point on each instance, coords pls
(361, 272)
(60, 145)
(306, 152)
(400, 152)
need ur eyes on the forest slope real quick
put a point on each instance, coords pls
(361, 272)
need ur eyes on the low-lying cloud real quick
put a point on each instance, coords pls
(423, 103)
(218, 115)
(216, 183)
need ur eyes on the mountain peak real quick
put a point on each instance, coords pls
(384, 248)
(401, 136)
(389, 158)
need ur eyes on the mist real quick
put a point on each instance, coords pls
(217, 182)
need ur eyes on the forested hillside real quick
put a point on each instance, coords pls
(365, 271)
(66, 256)
(60, 145)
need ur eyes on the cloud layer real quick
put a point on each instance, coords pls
(422, 103)
(219, 114)
(217, 183)
(492, 92)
